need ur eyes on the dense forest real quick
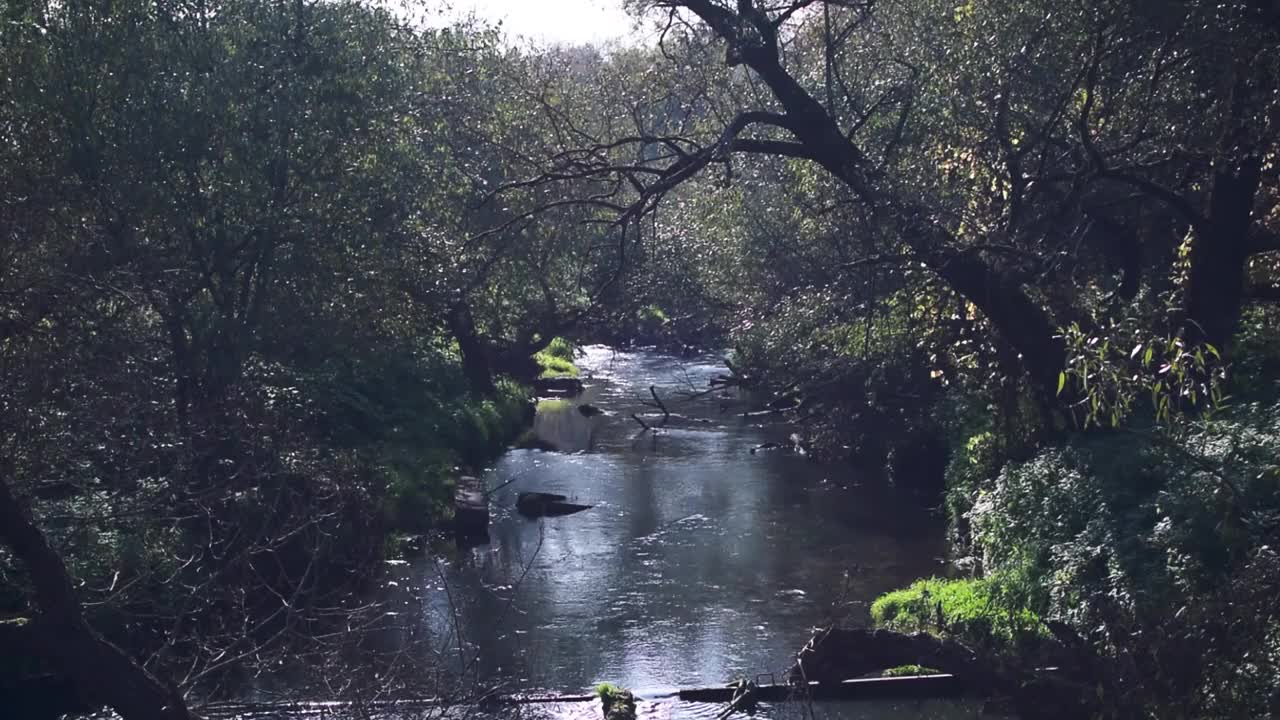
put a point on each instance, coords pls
(274, 272)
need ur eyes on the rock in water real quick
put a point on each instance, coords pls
(538, 504)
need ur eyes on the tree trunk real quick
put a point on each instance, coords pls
(101, 671)
(1219, 258)
(1022, 324)
(476, 361)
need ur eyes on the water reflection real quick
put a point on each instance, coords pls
(565, 426)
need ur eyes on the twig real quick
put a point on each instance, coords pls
(514, 478)
(666, 414)
(457, 621)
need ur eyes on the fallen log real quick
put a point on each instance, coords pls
(558, 386)
(835, 655)
(918, 687)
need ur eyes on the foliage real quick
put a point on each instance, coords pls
(232, 237)
(262, 266)
(1111, 372)
(1158, 550)
(560, 348)
(1255, 372)
(968, 470)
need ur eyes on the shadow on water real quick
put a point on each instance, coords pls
(699, 563)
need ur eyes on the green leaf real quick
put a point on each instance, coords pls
(1062, 381)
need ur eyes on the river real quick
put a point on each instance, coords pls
(700, 562)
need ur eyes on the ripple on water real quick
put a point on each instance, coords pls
(684, 524)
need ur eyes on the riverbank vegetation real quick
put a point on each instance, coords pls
(556, 360)
(275, 273)
(250, 328)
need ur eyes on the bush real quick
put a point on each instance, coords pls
(1159, 550)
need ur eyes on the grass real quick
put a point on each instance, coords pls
(969, 609)
(606, 689)
(556, 359)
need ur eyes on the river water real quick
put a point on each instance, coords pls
(700, 562)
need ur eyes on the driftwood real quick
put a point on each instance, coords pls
(659, 405)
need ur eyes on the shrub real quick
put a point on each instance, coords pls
(1159, 550)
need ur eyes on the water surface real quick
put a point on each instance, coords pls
(700, 561)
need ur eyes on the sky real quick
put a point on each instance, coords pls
(569, 22)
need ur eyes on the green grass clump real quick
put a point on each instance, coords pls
(971, 610)
(607, 689)
(556, 359)
(619, 704)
